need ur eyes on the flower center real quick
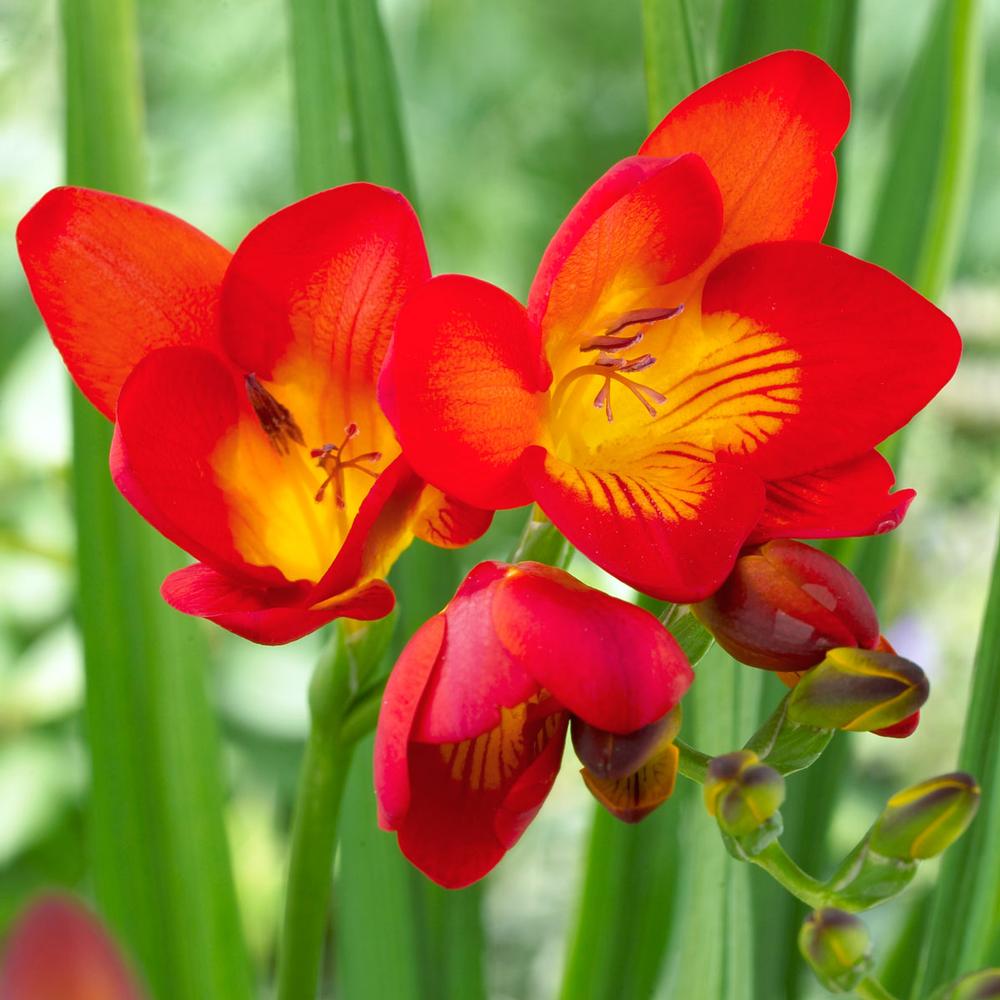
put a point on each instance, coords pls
(612, 365)
(279, 425)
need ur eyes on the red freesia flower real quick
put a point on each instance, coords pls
(694, 369)
(473, 723)
(243, 389)
(58, 951)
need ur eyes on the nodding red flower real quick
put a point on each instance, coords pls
(694, 369)
(243, 389)
(57, 950)
(474, 718)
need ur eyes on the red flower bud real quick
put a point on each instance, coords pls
(785, 604)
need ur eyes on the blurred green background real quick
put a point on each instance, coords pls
(510, 111)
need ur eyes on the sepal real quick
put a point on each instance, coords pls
(837, 947)
(788, 746)
(859, 690)
(981, 985)
(744, 796)
(922, 821)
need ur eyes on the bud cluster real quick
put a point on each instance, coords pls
(791, 608)
(744, 796)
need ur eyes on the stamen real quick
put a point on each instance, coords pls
(276, 420)
(330, 458)
(609, 363)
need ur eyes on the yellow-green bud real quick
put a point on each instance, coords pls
(741, 793)
(923, 820)
(859, 690)
(982, 985)
(838, 948)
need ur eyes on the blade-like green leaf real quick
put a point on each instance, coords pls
(157, 841)
(679, 41)
(325, 153)
(961, 931)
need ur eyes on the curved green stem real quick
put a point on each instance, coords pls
(871, 989)
(314, 827)
(693, 764)
(776, 862)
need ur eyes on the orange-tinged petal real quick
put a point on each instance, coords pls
(635, 796)
(115, 279)
(767, 131)
(666, 524)
(448, 523)
(646, 223)
(57, 950)
(464, 387)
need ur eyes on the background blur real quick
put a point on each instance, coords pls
(511, 110)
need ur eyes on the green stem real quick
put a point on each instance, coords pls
(776, 862)
(542, 542)
(871, 989)
(314, 827)
(693, 764)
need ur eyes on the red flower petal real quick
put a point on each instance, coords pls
(463, 386)
(475, 674)
(645, 223)
(173, 412)
(850, 354)
(844, 500)
(403, 692)
(114, 280)
(323, 279)
(270, 616)
(58, 951)
(471, 801)
(611, 663)
(767, 132)
(669, 526)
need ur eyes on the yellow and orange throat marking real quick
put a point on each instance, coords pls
(292, 495)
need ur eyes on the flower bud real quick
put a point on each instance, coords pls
(838, 948)
(923, 820)
(741, 793)
(859, 690)
(634, 796)
(982, 985)
(615, 755)
(785, 604)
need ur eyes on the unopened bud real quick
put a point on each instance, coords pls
(785, 604)
(859, 690)
(741, 793)
(838, 948)
(925, 819)
(615, 755)
(982, 985)
(634, 796)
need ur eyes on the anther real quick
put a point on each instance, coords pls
(276, 420)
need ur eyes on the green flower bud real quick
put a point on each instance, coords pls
(838, 948)
(859, 690)
(741, 793)
(923, 820)
(982, 985)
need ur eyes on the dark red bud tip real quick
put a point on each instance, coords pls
(902, 729)
(612, 756)
(786, 604)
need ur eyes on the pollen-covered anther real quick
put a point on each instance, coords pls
(330, 458)
(276, 420)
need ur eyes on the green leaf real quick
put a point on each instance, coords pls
(157, 841)
(960, 935)
(693, 638)
(679, 41)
